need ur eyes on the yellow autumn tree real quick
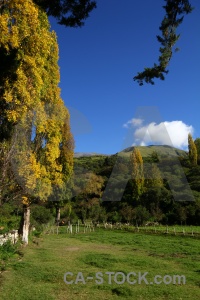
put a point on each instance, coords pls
(34, 120)
(137, 172)
(192, 150)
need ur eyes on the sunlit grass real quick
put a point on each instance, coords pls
(39, 274)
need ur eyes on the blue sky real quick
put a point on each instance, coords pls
(109, 111)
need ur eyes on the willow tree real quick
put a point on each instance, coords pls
(137, 172)
(34, 120)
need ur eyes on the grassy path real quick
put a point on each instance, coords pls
(39, 274)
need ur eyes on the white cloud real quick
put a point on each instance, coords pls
(133, 122)
(174, 133)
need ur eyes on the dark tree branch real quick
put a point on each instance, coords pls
(70, 13)
(169, 25)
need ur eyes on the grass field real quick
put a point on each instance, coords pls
(170, 230)
(39, 273)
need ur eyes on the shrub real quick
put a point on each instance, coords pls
(40, 215)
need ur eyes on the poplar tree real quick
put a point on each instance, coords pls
(153, 177)
(137, 172)
(192, 150)
(34, 121)
(197, 144)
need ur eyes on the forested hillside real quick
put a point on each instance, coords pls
(155, 201)
(88, 197)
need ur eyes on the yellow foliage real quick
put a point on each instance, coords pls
(33, 100)
(137, 172)
(12, 115)
(25, 201)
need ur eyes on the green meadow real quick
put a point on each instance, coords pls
(37, 271)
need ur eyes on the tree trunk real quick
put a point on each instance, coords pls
(26, 223)
(57, 215)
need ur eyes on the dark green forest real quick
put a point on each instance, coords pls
(157, 201)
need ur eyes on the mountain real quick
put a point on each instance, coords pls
(87, 154)
(144, 150)
(162, 150)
